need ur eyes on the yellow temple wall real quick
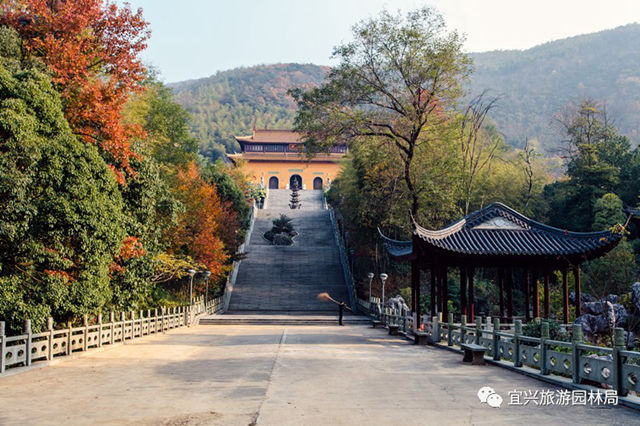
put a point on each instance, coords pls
(284, 170)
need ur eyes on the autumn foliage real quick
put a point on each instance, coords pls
(91, 47)
(202, 222)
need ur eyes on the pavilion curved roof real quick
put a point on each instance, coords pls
(498, 230)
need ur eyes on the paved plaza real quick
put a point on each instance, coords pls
(276, 375)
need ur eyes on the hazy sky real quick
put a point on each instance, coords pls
(196, 38)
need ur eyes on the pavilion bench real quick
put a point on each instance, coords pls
(376, 323)
(422, 338)
(393, 329)
(473, 354)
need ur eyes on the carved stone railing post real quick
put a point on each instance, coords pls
(112, 319)
(99, 330)
(69, 333)
(496, 339)
(544, 336)
(517, 362)
(3, 345)
(575, 352)
(478, 329)
(618, 345)
(436, 329)
(123, 328)
(50, 339)
(450, 330)
(85, 331)
(27, 331)
(463, 328)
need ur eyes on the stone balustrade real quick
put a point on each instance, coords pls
(563, 362)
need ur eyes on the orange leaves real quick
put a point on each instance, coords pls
(200, 228)
(92, 48)
(131, 248)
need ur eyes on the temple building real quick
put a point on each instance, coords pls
(276, 159)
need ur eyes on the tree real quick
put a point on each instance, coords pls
(92, 48)
(199, 228)
(61, 219)
(398, 80)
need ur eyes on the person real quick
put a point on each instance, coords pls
(341, 306)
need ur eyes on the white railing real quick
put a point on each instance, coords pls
(27, 348)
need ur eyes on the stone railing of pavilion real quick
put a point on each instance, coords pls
(573, 364)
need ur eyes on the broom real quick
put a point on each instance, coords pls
(324, 297)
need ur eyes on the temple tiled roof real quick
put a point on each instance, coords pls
(498, 230)
(271, 136)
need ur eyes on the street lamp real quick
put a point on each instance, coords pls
(207, 274)
(383, 278)
(191, 273)
(370, 275)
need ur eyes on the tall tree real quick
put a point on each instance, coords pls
(398, 80)
(92, 48)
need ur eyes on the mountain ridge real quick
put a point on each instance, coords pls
(533, 85)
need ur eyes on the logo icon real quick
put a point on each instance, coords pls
(489, 396)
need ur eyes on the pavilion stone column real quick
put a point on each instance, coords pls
(578, 284)
(415, 290)
(510, 294)
(527, 288)
(432, 302)
(445, 293)
(463, 290)
(470, 301)
(536, 295)
(501, 285)
(547, 278)
(565, 295)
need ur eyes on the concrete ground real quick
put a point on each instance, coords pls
(276, 375)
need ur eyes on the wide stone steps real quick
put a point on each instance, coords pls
(284, 318)
(288, 279)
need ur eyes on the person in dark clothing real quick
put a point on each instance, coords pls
(341, 306)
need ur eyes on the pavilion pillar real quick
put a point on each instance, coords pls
(415, 291)
(470, 313)
(527, 288)
(445, 294)
(576, 276)
(565, 295)
(463, 290)
(432, 302)
(546, 293)
(510, 294)
(536, 294)
(501, 285)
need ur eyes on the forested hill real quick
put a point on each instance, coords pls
(533, 85)
(231, 102)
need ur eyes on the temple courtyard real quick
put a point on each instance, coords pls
(278, 375)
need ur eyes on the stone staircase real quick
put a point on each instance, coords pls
(278, 284)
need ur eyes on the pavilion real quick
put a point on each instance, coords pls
(498, 237)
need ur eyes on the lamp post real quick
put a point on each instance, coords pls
(370, 275)
(207, 274)
(383, 278)
(191, 273)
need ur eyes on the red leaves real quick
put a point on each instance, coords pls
(200, 228)
(92, 49)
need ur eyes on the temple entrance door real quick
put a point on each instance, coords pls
(273, 182)
(295, 179)
(317, 183)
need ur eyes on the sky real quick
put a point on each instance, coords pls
(195, 38)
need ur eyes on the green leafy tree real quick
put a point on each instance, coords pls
(615, 272)
(397, 81)
(61, 212)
